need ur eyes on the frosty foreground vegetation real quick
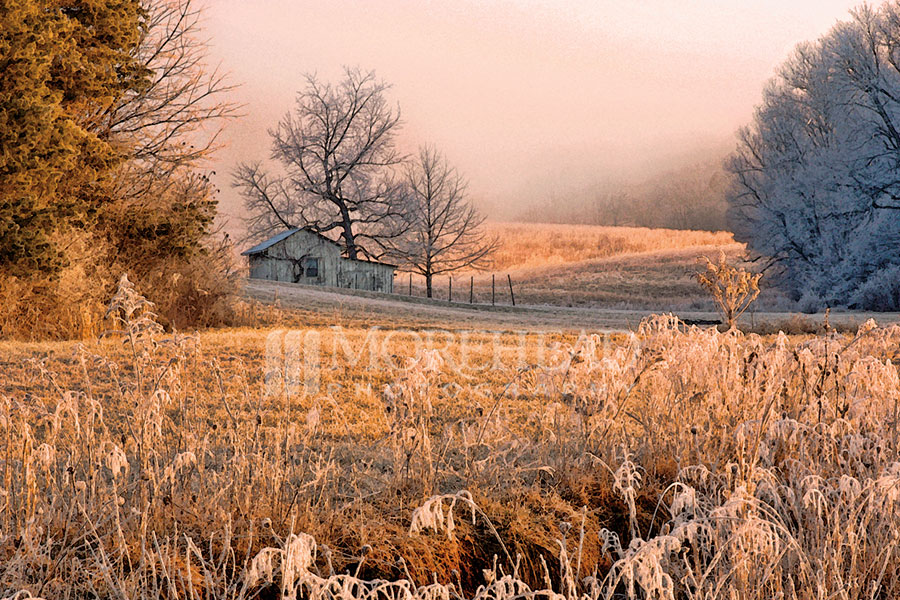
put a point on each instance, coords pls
(677, 464)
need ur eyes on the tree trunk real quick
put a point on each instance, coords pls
(349, 239)
(428, 285)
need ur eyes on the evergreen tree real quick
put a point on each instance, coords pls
(107, 112)
(63, 64)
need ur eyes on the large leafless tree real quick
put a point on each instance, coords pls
(337, 151)
(445, 232)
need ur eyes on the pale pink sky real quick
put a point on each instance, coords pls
(530, 99)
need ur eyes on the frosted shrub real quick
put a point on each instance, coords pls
(408, 404)
(132, 314)
(644, 566)
(436, 514)
(881, 291)
(115, 460)
(627, 481)
(733, 289)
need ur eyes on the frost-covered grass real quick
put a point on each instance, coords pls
(670, 463)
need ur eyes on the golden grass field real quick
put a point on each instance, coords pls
(348, 462)
(590, 266)
(538, 245)
(390, 450)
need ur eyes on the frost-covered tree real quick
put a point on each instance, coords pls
(62, 65)
(816, 175)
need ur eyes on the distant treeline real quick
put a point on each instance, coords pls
(686, 198)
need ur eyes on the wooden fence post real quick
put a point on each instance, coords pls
(471, 289)
(410, 284)
(450, 292)
(511, 295)
(493, 290)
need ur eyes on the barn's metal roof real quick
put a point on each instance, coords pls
(270, 242)
(281, 237)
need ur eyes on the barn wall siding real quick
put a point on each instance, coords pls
(289, 260)
(361, 275)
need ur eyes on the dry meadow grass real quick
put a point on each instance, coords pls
(591, 266)
(391, 464)
(530, 245)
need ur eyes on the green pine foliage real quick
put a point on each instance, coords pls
(98, 174)
(64, 63)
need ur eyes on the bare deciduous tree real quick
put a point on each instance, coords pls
(167, 129)
(445, 232)
(610, 207)
(337, 150)
(173, 123)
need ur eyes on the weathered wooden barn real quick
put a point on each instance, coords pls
(304, 256)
